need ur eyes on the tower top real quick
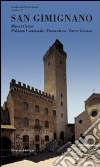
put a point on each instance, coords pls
(57, 45)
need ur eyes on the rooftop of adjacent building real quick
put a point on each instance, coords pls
(93, 95)
(90, 101)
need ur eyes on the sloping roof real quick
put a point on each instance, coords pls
(7, 127)
(93, 96)
(80, 114)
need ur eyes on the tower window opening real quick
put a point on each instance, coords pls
(61, 115)
(60, 61)
(61, 103)
(49, 63)
(54, 113)
(61, 95)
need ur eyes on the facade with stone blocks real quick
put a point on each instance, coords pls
(88, 117)
(32, 114)
(33, 119)
(55, 83)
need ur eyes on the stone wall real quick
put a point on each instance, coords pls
(16, 100)
(55, 83)
(89, 117)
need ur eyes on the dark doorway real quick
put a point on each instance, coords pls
(6, 146)
(37, 148)
(26, 142)
(55, 136)
(62, 135)
(73, 139)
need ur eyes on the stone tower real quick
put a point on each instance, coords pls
(55, 84)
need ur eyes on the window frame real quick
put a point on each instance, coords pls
(46, 124)
(37, 122)
(37, 138)
(46, 111)
(46, 138)
(54, 113)
(37, 108)
(25, 122)
(25, 106)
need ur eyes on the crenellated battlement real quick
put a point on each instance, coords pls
(14, 86)
(58, 46)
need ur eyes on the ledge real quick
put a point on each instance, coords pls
(7, 127)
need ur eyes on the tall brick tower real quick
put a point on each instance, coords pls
(55, 83)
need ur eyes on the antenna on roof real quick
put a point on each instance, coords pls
(93, 90)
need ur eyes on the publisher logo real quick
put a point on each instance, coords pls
(85, 151)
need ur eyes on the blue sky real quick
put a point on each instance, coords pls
(22, 53)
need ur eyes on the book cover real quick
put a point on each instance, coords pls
(50, 83)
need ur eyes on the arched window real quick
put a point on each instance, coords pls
(54, 113)
(25, 138)
(26, 142)
(25, 121)
(46, 124)
(37, 122)
(36, 108)
(46, 138)
(37, 138)
(25, 106)
(46, 111)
